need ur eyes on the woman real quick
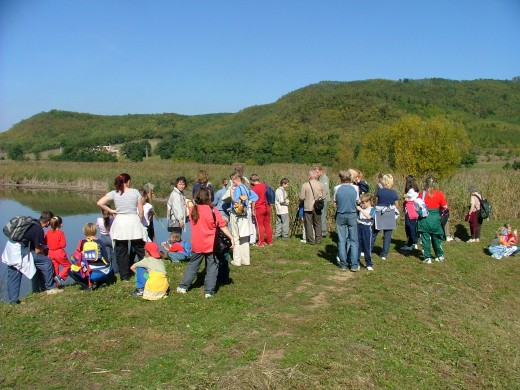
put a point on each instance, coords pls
(411, 190)
(430, 227)
(387, 204)
(262, 212)
(242, 200)
(176, 206)
(475, 222)
(204, 220)
(127, 225)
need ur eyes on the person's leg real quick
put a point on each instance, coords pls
(138, 247)
(237, 260)
(223, 268)
(341, 229)
(278, 226)
(478, 226)
(191, 270)
(140, 277)
(44, 264)
(245, 257)
(260, 228)
(426, 244)
(353, 241)
(121, 250)
(437, 245)
(316, 223)
(366, 232)
(285, 225)
(323, 218)
(210, 281)
(309, 231)
(176, 257)
(14, 279)
(413, 233)
(267, 226)
(65, 266)
(374, 238)
(387, 240)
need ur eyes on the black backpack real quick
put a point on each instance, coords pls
(485, 208)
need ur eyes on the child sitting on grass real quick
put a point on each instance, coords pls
(177, 250)
(504, 243)
(151, 280)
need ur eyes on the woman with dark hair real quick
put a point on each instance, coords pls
(127, 227)
(204, 220)
(176, 206)
(203, 182)
(429, 227)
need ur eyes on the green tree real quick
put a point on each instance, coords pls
(16, 153)
(136, 151)
(417, 147)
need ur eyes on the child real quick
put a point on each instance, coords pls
(56, 243)
(177, 249)
(151, 280)
(281, 204)
(365, 221)
(148, 210)
(91, 266)
(410, 213)
(104, 223)
(360, 182)
(503, 244)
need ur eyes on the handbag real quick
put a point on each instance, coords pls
(222, 242)
(319, 204)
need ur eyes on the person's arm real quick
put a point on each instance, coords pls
(102, 204)
(366, 214)
(140, 211)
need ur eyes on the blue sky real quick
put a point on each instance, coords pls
(114, 57)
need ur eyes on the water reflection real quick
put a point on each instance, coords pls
(76, 209)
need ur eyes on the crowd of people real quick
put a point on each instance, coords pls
(241, 211)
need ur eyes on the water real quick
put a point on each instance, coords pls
(74, 208)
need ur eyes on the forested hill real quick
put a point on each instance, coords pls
(303, 126)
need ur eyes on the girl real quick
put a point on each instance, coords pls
(177, 249)
(104, 223)
(204, 221)
(504, 243)
(410, 214)
(56, 242)
(148, 210)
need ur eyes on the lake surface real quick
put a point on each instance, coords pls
(74, 208)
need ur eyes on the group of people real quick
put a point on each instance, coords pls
(241, 210)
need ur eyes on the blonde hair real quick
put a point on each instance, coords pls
(388, 181)
(90, 229)
(366, 197)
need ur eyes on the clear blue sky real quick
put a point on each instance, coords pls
(207, 56)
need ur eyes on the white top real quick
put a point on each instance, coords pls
(100, 222)
(147, 208)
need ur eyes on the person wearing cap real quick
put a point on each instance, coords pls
(151, 279)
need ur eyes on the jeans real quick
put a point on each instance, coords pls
(210, 281)
(387, 240)
(14, 277)
(410, 227)
(141, 276)
(346, 226)
(365, 243)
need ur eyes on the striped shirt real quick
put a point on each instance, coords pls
(126, 203)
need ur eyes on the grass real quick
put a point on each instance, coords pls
(292, 320)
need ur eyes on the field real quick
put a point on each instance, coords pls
(292, 320)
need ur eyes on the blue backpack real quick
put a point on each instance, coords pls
(270, 194)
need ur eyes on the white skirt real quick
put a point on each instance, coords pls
(127, 227)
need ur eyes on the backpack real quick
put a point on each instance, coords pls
(420, 206)
(17, 226)
(485, 208)
(88, 262)
(270, 195)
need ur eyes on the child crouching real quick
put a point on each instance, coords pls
(177, 250)
(151, 280)
(504, 243)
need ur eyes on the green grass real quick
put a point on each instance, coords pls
(292, 320)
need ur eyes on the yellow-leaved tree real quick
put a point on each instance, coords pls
(415, 146)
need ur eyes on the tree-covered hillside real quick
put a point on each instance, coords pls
(304, 126)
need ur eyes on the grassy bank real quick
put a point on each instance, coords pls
(291, 320)
(496, 184)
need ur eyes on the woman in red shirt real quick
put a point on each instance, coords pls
(203, 230)
(430, 227)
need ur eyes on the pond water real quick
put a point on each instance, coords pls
(74, 208)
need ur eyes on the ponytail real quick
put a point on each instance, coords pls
(120, 181)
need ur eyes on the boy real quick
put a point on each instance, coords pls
(282, 210)
(366, 214)
(177, 250)
(151, 280)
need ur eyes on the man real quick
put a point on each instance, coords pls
(345, 200)
(324, 179)
(311, 191)
(262, 212)
(34, 240)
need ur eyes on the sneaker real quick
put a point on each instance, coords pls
(355, 269)
(441, 258)
(137, 293)
(181, 290)
(449, 238)
(235, 264)
(383, 257)
(427, 261)
(370, 268)
(208, 295)
(338, 260)
(415, 246)
(53, 291)
(58, 281)
(406, 248)
(362, 254)
(471, 240)
(304, 241)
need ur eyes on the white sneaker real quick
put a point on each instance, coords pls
(369, 268)
(181, 290)
(208, 295)
(338, 260)
(427, 261)
(441, 258)
(383, 258)
(449, 238)
(414, 246)
(304, 241)
(362, 254)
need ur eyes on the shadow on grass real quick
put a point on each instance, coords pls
(461, 232)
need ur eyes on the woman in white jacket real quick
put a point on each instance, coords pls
(281, 205)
